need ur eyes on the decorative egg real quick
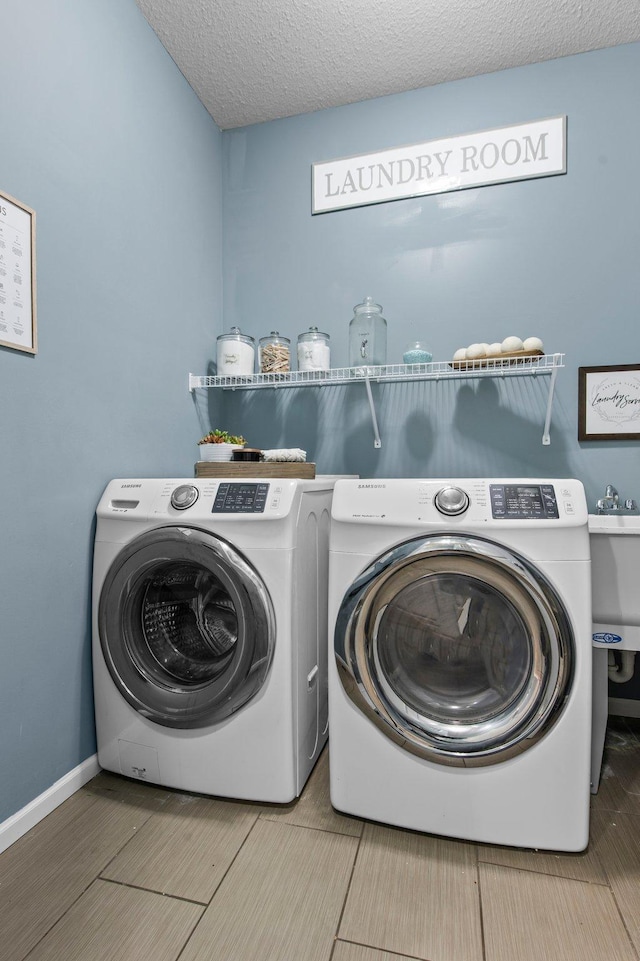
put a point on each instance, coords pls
(475, 351)
(460, 354)
(494, 348)
(533, 343)
(510, 344)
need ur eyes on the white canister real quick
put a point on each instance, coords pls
(314, 352)
(236, 354)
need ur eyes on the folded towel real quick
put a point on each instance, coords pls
(285, 454)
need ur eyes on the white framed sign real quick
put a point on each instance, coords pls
(17, 275)
(609, 403)
(519, 152)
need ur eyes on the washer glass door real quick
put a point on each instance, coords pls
(186, 627)
(457, 648)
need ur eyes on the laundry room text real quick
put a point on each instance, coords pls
(496, 156)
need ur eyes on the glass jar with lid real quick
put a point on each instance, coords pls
(236, 354)
(314, 351)
(417, 353)
(367, 335)
(274, 354)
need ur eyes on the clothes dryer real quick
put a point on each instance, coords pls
(209, 633)
(460, 677)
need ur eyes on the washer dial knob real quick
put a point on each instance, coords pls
(451, 500)
(184, 496)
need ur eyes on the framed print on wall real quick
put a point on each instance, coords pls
(17, 275)
(609, 403)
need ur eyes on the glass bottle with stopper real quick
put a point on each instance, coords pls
(367, 335)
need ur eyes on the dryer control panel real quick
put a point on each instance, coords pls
(523, 500)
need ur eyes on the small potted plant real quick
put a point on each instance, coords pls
(219, 445)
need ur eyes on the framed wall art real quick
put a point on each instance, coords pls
(18, 328)
(609, 403)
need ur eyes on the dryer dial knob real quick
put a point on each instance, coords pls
(184, 496)
(451, 500)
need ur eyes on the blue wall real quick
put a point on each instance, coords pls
(102, 136)
(555, 257)
(136, 190)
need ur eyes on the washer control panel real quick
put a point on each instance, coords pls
(234, 498)
(523, 500)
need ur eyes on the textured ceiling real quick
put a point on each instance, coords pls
(255, 60)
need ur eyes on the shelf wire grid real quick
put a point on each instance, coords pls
(394, 373)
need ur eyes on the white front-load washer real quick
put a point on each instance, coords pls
(460, 678)
(209, 633)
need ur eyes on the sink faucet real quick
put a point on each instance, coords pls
(610, 503)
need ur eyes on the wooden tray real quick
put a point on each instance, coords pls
(508, 359)
(233, 468)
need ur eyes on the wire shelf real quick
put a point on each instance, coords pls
(390, 373)
(508, 366)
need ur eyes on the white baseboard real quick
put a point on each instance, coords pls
(624, 706)
(28, 816)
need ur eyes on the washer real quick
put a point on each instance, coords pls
(209, 633)
(460, 687)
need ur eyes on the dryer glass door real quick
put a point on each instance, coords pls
(459, 649)
(186, 627)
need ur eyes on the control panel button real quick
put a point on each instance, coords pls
(184, 496)
(451, 500)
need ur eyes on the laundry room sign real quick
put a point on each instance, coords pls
(519, 152)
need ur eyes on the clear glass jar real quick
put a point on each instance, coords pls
(314, 351)
(417, 352)
(275, 354)
(367, 335)
(236, 354)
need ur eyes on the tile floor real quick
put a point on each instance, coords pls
(129, 872)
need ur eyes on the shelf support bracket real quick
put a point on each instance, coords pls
(377, 443)
(546, 439)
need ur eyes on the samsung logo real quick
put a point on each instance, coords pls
(604, 637)
(122, 486)
(371, 485)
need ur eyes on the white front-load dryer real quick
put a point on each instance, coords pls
(460, 674)
(209, 633)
